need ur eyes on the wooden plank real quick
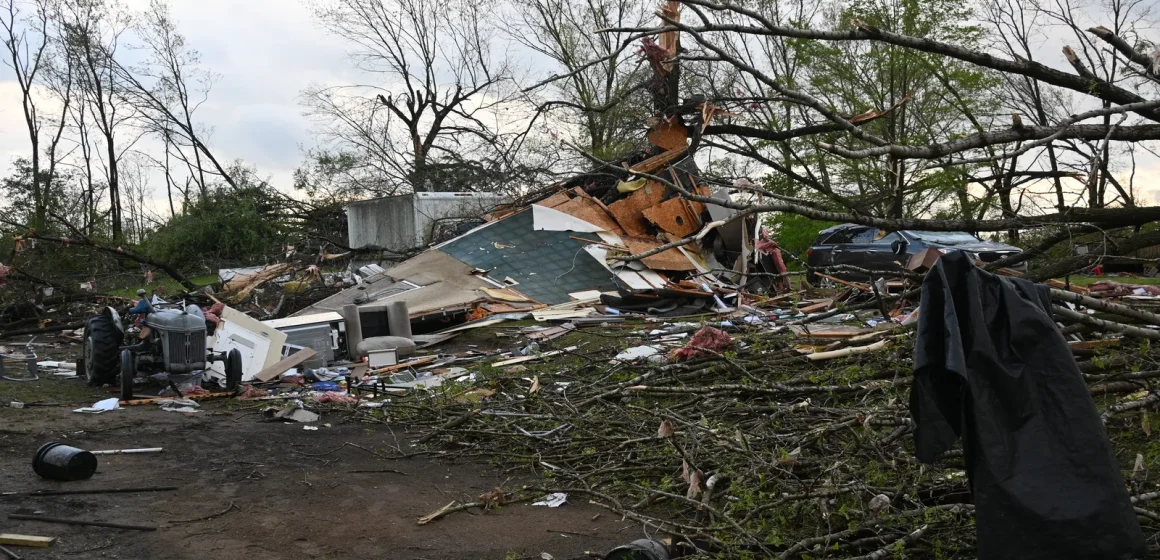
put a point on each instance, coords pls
(404, 365)
(522, 359)
(651, 164)
(283, 365)
(26, 540)
(816, 307)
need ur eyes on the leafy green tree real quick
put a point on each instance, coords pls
(927, 98)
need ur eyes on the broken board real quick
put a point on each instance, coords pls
(674, 216)
(670, 259)
(284, 365)
(655, 162)
(628, 212)
(554, 200)
(590, 212)
(669, 135)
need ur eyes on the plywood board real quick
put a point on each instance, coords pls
(550, 219)
(674, 217)
(669, 134)
(628, 211)
(554, 200)
(590, 212)
(671, 259)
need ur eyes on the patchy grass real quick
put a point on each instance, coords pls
(171, 285)
(1089, 280)
(49, 390)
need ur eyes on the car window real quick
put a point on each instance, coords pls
(944, 237)
(888, 238)
(842, 236)
(866, 235)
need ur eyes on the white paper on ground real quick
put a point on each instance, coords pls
(639, 352)
(553, 500)
(102, 406)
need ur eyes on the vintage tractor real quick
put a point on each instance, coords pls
(169, 339)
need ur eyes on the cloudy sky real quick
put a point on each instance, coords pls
(265, 52)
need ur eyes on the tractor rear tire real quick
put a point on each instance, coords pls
(128, 372)
(102, 350)
(233, 370)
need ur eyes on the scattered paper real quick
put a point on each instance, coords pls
(553, 500)
(311, 428)
(101, 406)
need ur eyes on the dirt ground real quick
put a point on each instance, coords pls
(293, 492)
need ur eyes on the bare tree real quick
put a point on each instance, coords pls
(167, 90)
(594, 79)
(92, 34)
(437, 120)
(28, 41)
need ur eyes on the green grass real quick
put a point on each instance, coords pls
(1089, 280)
(171, 285)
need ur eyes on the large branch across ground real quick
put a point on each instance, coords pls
(120, 251)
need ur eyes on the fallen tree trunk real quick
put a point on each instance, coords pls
(45, 330)
(1107, 306)
(121, 251)
(1125, 330)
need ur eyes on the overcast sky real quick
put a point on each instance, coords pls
(265, 52)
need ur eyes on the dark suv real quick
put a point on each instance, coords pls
(874, 249)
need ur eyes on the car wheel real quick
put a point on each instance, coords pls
(102, 345)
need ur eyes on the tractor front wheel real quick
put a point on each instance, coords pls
(128, 372)
(233, 370)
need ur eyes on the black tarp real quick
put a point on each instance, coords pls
(992, 368)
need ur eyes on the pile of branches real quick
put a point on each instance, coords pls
(754, 451)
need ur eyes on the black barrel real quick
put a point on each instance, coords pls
(642, 549)
(61, 462)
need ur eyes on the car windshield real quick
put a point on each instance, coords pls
(945, 237)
